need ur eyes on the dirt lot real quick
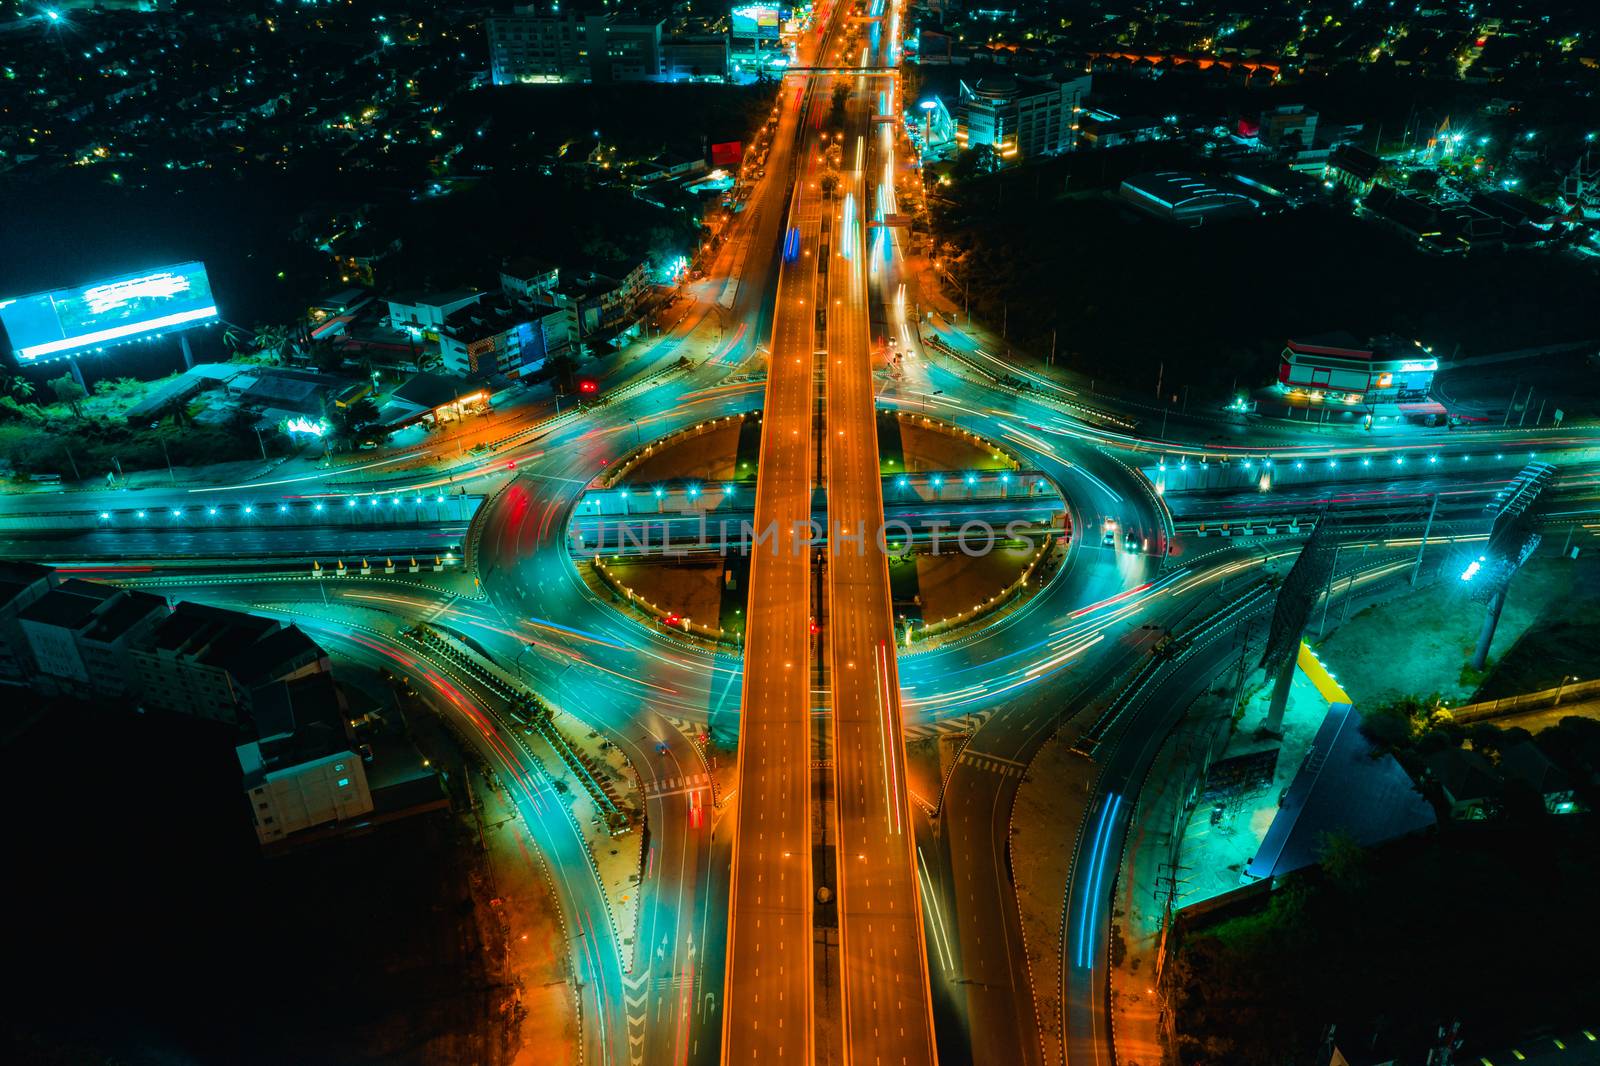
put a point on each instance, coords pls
(1420, 642)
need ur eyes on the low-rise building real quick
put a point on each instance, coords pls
(695, 58)
(1187, 199)
(278, 394)
(1287, 128)
(301, 768)
(1352, 168)
(430, 398)
(500, 337)
(421, 314)
(1335, 368)
(1101, 129)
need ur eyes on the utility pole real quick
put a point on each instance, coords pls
(171, 476)
(1416, 567)
(1327, 594)
(1052, 347)
(1161, 373)
(1244, 650)
(1527, 402)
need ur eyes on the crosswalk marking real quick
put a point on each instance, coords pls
(671, 786)
(992, 765)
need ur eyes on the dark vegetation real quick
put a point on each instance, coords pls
(147, 927)
(1048, 247)
(1482, 923)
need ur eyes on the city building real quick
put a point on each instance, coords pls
(81, 637)
(1440, 227)
(206, 661)
(1020, 116)
(301, 767)
(1287, 128)
(281, 394)
(1187, 199)
(702, 57)
(1334, 369)
(932, 128)
(527, 47)
(21, 585)
(1102, 129)
(529, 279)
(422, 314)
(1352, 168)
(432, 398)
(499, 336)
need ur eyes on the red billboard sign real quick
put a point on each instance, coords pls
(726, 154)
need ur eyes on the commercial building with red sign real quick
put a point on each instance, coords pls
(1335, 370)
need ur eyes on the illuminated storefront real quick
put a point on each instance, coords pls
(1343, 374)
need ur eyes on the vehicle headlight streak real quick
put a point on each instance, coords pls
(847, 242)
(891, 768)
(1094, 895)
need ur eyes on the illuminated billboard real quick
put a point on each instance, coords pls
(64, 322)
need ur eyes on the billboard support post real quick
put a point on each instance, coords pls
(188, 355)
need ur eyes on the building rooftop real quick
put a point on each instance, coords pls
(265, 659)
(1356, 161)
(69, 605)
(132, 607)
(428, 390)
(426, 298)
(15, 577)
(294, 722)
(1342, 786)
(277, 387)
(1463, 774)
(193, 628)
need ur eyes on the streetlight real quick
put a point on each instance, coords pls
(1565, 680)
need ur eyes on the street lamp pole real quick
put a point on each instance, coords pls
(1327, 595)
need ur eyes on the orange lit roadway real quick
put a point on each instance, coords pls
(888, 1014)
(767, 1010)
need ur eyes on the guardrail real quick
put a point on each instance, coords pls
(1165, 655)
(1022, 387)
(1284, 524)
(529, 711)
(1527, 701)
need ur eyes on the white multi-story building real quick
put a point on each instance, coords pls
(81, 637)
(531, 47)
(301, 769)
(1021, 116)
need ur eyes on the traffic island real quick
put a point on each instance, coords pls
(665, 534)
